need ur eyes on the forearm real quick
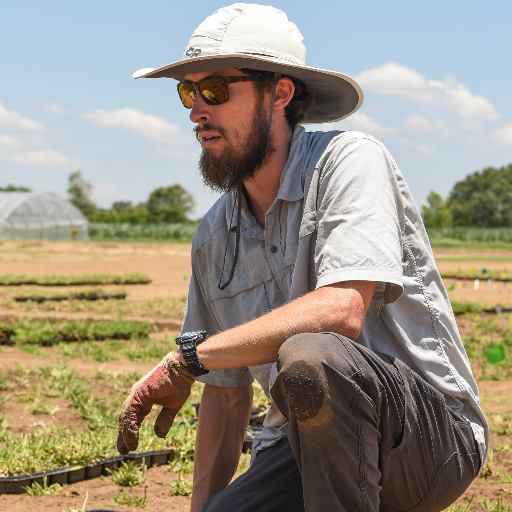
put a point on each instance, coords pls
(223, 418)
(338, 308)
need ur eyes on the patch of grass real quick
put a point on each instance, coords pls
(37, 489)
(33, 349)
(459, 508)
(83, 279)
(497, 506)
(49, 333)
(145, 350)
(128, 474)
(130, 500)
(180, 486)
(85, 350)
(4, 381)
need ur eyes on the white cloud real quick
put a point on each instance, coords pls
(12, 119)
(42, 158)
(392, 79)
(358, 121)
(364, 123)
(55, 108)
(418, 123)
(8, 143)
(504, 135)
(146, 125)
(422, 149)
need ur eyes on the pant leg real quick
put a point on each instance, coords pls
(367, 433)
(272, 484)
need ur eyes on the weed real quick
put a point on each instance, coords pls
(4, 399)
(495, 507)
(74, 509)
(180, 486)
(37, 489)
(459, 508)
(85, 350)
(128, 474)
(132, 501)
(4, 382)
(33, 350)
(58, 280)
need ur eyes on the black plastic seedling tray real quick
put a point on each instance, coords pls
(73, 474)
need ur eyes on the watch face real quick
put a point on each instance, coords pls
(193, 335)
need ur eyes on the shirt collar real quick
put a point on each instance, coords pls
(290, 188)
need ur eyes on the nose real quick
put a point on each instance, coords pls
(200, 113)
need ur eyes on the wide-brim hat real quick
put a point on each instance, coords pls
(261, 37)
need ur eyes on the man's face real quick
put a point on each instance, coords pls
(233, 135)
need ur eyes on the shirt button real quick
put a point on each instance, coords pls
(273, 249)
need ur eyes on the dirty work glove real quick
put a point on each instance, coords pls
(168, 385)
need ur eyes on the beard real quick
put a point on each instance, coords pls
(232, 168)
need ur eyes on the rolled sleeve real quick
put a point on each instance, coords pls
(358, 224)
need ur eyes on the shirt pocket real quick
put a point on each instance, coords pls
(244, 299)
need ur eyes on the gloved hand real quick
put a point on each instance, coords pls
(168, 385)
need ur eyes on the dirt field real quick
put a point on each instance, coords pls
(169, 268)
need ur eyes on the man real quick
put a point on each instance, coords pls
(313, 274)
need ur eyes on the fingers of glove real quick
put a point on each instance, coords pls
(164, 421)
(121, 447)
(134, 410)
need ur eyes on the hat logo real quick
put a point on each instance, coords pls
(192, 52)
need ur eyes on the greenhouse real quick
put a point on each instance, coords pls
(40, 215)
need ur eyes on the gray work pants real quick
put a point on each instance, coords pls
(365, 434)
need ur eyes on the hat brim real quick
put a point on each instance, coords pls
(337, 96)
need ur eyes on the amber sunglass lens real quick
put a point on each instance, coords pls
(214, 91)
(186, 92)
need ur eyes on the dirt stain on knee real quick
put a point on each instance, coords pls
(303, 390)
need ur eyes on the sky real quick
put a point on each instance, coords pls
(437, 79)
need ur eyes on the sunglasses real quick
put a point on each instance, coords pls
(213, 90)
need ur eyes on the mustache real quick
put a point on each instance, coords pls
(208, 127)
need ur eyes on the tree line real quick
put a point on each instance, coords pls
(482, 199)
(164, 204)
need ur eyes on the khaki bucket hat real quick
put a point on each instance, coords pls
(261, 37)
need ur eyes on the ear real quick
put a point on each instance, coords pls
(284, 93)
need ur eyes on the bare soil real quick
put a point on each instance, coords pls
(169, 268)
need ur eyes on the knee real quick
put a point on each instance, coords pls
(302, 375)
(305, 347)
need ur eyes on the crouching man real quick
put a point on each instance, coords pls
(313, 274)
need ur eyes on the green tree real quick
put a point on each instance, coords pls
(80, 191)
(482, 198)
(14, 188)
(169, 204)
(437, 214)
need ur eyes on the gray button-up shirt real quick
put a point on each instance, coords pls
(343, 213)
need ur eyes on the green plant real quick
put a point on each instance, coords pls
(497, 506)
(128, 474)
(33, 350)
(131, 500)
(74, 509)
(180, 486)
(144, 231)
(60, 280)
(4, 381)
(37, 489)
(85, 350)
(459, 508)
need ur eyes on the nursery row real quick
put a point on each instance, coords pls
(57, 280)
(471, 234)
(496, 275)
(38, 295)
(49, 333)
(152, 231)
(53, 446)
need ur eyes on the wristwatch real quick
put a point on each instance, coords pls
(188, 343)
